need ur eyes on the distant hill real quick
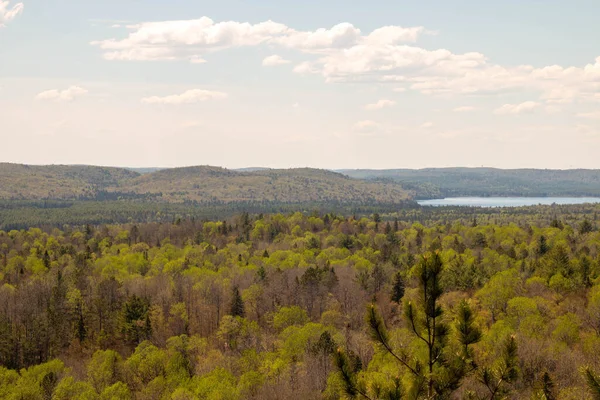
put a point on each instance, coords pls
(26, 182)
(448, 182)
(192, 184)
(286, 186)
(145, 170)
(251, 169)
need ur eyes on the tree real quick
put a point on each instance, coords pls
(542, 246)
(237, 304)
(547, 390)
(496, 378)
(137, 326)
(398, 288)
(586, 227)
(438, 372)
(593, 382)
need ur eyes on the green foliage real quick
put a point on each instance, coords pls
(288, 316)
(497, 378)
(104, 369)
(144, 311)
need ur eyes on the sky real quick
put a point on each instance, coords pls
(326, 84)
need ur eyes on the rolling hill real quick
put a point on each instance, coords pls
(33, 182)
(448, 182)
(192, 184)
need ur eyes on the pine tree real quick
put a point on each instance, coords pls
(81, 329)
(398, 288)
(542, 246)
(440, 371)
(261, 274)
(548, 387)
(593, 382)
(237, 304)
(496, 379)
(585, 227)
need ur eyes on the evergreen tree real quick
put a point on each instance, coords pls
(542, 246)
(505, 372)
(440, 371)
(586, 227)
(237, 304)
(548, 387)
(593, 382)
(398, 288)
(136, 325)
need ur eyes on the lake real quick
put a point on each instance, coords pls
(506, 201)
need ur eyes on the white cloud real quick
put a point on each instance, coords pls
(8, 13)
(274, 60)
(366, 127)
(590, 115)
(526, 107)
(182, 39)
(380, 104)
(62, 95)
(188, 97)
(197, 60)
(464, 109)
(400, 90)
(345, 54)
(427, 125)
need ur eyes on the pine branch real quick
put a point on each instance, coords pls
(380, 335)
(593, 382)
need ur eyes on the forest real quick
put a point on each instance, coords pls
(450, 303)
(431, 183)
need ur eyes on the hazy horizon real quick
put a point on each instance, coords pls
(293, 167)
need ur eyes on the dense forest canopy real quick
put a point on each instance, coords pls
(464, 304)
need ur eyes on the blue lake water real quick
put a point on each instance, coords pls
(506, 201)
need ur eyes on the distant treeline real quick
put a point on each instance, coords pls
(23, 214)
(452, 182)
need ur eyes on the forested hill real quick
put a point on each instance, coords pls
(192, 184)
(447, 182)
(33, 182)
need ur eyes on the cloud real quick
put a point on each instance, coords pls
(66, 95)
(427, 125)
(188, 97)
(274, 60)
(380, 104)
(464, 109)
(590, 115)
(170, 40)
(8, 13)
(366, 127)
(343, 53)
(526, 107)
